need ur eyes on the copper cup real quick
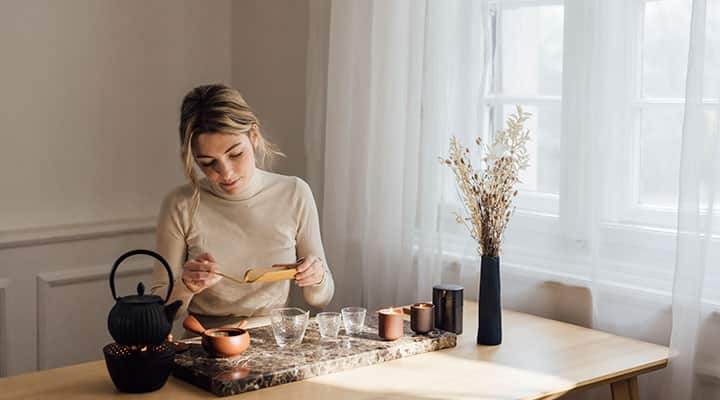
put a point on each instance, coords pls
(421, 317)
(390, 323)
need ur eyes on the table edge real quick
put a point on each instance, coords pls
(605, 380)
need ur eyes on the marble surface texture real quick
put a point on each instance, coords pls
(265, 364)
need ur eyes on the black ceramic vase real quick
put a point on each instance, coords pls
(489, 310)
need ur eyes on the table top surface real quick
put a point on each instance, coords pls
(539, 358)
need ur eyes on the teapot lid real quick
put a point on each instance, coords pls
(141, 297)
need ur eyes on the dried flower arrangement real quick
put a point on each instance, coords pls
(487, 193)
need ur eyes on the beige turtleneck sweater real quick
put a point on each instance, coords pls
(274, 220)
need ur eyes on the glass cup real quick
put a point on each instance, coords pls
(353, 319)
(329, 323)
(288, 325)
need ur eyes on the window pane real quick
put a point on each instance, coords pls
(665, 48)
(531, 50)
(543, 174)
(660, 140)
(712, 50)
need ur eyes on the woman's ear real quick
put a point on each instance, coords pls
(254, 135)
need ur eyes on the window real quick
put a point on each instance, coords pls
(526, 41)
(526, 69)
(657, 113)
(601, 196)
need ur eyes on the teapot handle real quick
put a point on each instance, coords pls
(147, 253)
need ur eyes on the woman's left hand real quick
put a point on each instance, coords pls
(310, 272)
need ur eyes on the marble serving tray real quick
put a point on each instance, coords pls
(264, 364)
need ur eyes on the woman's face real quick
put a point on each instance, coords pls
(227, 160)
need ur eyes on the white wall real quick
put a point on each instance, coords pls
(90, 99)
(89, 103)
(268, 67)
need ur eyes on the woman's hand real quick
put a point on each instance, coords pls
(199, 274)
(310, 272)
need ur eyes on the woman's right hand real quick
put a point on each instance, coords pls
(199, 274)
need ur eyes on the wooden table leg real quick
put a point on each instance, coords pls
(625, 390)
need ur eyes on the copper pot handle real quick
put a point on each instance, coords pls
(193, 325)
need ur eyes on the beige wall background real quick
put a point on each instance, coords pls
(89, 105)
(89, 99)
(268, 67)
(91, 91)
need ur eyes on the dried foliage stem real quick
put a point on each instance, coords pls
(487, 193)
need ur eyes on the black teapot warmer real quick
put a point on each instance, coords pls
(141, 358)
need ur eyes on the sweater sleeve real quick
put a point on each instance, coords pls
(308, 242)
(171, 245)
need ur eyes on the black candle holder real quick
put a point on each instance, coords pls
(448, 302)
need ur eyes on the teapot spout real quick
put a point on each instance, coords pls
(171, 309)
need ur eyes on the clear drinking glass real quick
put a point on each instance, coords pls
(288, 325)
(353, 319)
(329, 323)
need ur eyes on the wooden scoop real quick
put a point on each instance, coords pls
(269, 274)
(278, 272)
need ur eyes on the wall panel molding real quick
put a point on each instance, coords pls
(4, 283)
(48, 281)
(11, 238)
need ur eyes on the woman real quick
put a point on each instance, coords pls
(238, 216)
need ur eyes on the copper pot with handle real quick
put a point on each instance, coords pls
(220, 342)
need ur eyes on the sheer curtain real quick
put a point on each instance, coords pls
(399, 75)
(695, 340)
(615, 224)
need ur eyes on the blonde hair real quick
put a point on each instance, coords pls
(213, 109)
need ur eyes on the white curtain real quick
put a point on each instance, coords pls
(615, 227)
(395, 84)
(695, 340)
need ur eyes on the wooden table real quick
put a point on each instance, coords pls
(539, 359)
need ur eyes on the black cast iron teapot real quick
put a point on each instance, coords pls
(141, 319)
